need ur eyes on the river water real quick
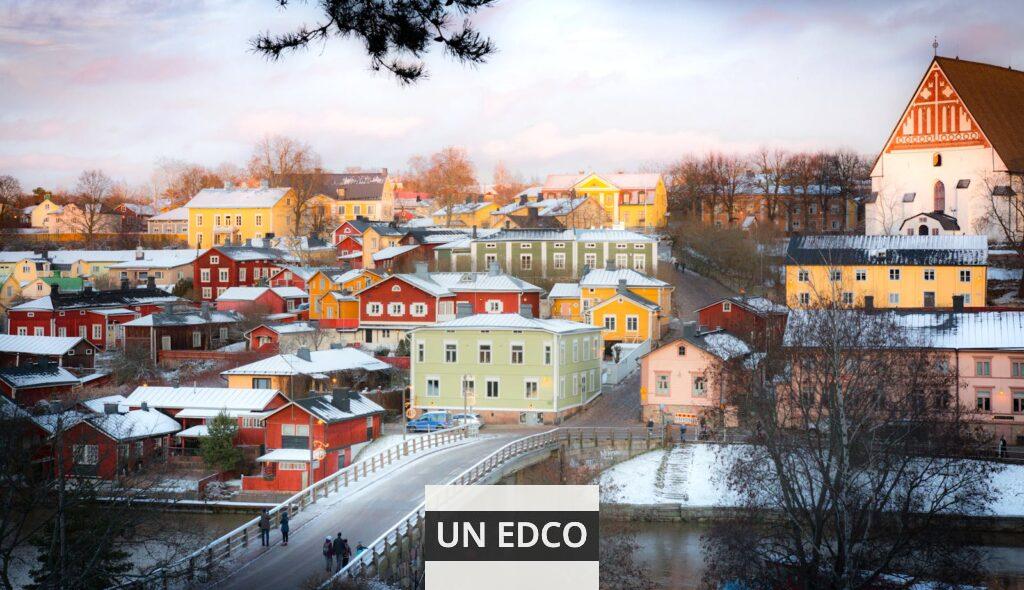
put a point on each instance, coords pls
(673, 556)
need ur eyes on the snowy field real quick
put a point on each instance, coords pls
(693, 476)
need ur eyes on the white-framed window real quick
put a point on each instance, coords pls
(490, 259)
(38, 331)
(396, 288)
(575, 384)
(662, 383)
(929, 274)
(639, 263)
(220, 291)
(526, 245)
(632, 323)
(805, 298)
(374, 308)
(621, 260)
(621, 246)
(894, 274)
(493, 387)
(421, 352)
(860, 274)
(558, 245)
(222, 275)
(204, 275)
(700, 386)
(451, 352)
(590, 259)
(491, 246)
(609, 322)
(433, 387)
(418, 309)
(62, 331)
(259, 220)
(223, 333)
(22, 331)
(395, 308)
(847, 298)
(558, 261)
(484, 353)
(97, 331)
(727, 306)
(835, 275)
(197, 339)
(494, 306)
(967, 298)
(207, 293)
(526, 261)
(468, 386)
(530, 389)
(575, 351)
(214, 259)
(894, 298)
(516, 354)
(86, 454)
(241, 275)
(803, 276)
(965, 276)
(547, 354)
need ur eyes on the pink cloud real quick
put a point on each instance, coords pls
(135, 69)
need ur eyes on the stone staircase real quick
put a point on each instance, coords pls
(674, 472)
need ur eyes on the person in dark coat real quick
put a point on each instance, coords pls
(339, 552)
(328, 553)
(650, 427)
(1002, 447)
(284, 527)
(682, 433)
(346, 552)
(265, 529)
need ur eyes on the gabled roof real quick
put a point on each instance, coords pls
(160, 259)
(37, 375)
(361, 191)
(254, 293)
(629, 296)
(237, 198)
(393, 251)
(40, 345)
(99, 299)
(177, 214)
(425, 284)
(463, 208)
(511, 321)
(457, 282)
(758, 305)
(321, 407)
(288, 328)
(620, 180)
(564, 291)
(888, 250)
(212, 398)
(192, 317)
(321, 361)
(718, 343)
(68, 257)
(249, 253)
(305, 272)
(611, 278)
(946, 222)
(98, 404)
(359, 225)
(134, 425)
(18, 256)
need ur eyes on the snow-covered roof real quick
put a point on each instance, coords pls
(113, 311)
(323, 408)
(208, 398)
(462, 208)
(138, 209)
(967, 330)
(482, 281)
(582, 235)
(719, 343)
(41, 345)
(760, 305)
(135, 424)
(160, 259)
(321, 361)
(293, 328)
(611, 278)
(620, 180)
(98, 405)
(890, 250)
(68, 257)
(197, 431)
(18, 256)
(177, 214)
(286, 456)
(250, 253)
(254, 293)
(392, 251)
(512, 321)
(214, 412)
(424, 283)
(545, 208)
(564, 290)
(37, 375)
(236, 198)
(630, 296)
(189, 318)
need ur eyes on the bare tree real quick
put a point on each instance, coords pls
(1005, 213)
(799, 178)
(94, 191)
(10, 195)
(448, 176)
(506, 184)
(727, 175)
(396, 35)
(859, 458)
(177, 181)
(288, 162)
(687, 185)
(771, 168)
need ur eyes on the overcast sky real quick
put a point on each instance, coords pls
(577, 84)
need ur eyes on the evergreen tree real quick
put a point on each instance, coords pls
(218, 448)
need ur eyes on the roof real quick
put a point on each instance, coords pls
(207, 398)
(457, 282)
(462, 208)
(620, 180)
(512, 321)
(558, 235)
(947, 222)
(193, 317)
(18, 256)
(361, 191)
(135, 424)
(611, 278)
(237, 198)
(564, 291)
(246, 253)
(321, 407)
(425, 284)
(994, 96)
(178, 214)
(286, 455)
(69, 257)
(888, 250)
(289, 328)
(967, 330)
(305, 272)
(642, 301)
(160, 259)
(321, 361)
(65, 284)
(393, 251)
(41, 345)
(37, 375)
(758, 305)
(197, 431)
(545, 208)
(139, 209)
(254, 293)
(98, 404)
(718, 343)
(113, 311)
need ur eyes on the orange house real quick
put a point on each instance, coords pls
(322, 283)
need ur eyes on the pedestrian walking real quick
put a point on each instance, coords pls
(1002, 447)
(339, 552)
(265, 528)
(682, 433)
(328, 553)
(346, 552)
(650, 427)
(284, 527)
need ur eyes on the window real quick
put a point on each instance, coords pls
(727, 306)
(894, 298)
(418, 309)
(238, 220)
(207, 293)
(421, 352)
(222, 275)
(590, 259)
(894, 274)
(530, 389)
(1017, 367)
(490, 259)
(547, 354)
(575, 351)
(216, 220)
(97, 331)
(621, 246)
(494, 306)
(639, 263)
(197, 339)
(805, 298)
(559, 261)
(204, 275)
(632, 323)
(374, 308)
(1018, 401)
(517, 354)
(526, 246)
(861, 275)
(561, 351)
(847, 298)
(929, 274)
(983, 367)
(396, 309)
(241, 275)
(965, 276)
(22, 331)
(984, 400)
(223, 333)
(681, 351)
(662, 384)
(526, 261)
(86, 454)
(621, 260)
(451, 352)
(199, 219)
(700, 387)
(214, 259)
(433, 387)
(609, 322)
(835, 275)
(492, 388)
(803, 276)
(259, 221)
(261, 383)
(485, 353)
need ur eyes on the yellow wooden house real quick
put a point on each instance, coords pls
(37, 214)
(471, 213)
(633, 200)
(232, 215)
(564, 299)
(626, 317)
(887, 271)
(339, 310)
(600, 284)
(322, 283)
(377, 237)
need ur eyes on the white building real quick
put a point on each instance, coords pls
(958, 140)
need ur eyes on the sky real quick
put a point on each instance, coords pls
(575, 85)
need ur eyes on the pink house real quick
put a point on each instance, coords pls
(270, 300)
(682, 381)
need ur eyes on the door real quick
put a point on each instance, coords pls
(368, 337)
(929, 298)
(165, 342)
(305, 478)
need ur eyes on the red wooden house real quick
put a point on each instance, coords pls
(267, 337)
(400, 302)
(350, 249)
(223, 267)
(311, 438)
(492, 291)
(756, 320)
(298, 276)
(115, 443)
(65, 352)
(93, 315)
(353, 227)
(269, 300)
(30, 384)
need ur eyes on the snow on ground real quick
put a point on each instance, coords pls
(235, 347)
(654, 478)
(1004, 274)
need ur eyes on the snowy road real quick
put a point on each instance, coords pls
(363, 516)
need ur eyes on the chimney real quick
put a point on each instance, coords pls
(110, 409)
(125, 284)
(531, 214)
(474, 232)
(228, 185)
(264, 183)
(463, 309)
(526, 310)
(139, 253)
(522, 199)
(493, 270)
(151, 282)
(144, 406)
(303, 353)
(609, 264)
(55, 289)
(621, 288)
(340, 399)
(87, 288)
(958, 303)
(421, 270)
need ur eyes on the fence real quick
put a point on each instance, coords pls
(202, 562)
(613, 373)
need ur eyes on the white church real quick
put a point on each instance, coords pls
(959, 141)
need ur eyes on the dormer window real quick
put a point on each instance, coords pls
(681, 351)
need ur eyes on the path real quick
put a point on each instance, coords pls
(362, 516)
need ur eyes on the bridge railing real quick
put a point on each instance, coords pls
(379, 556)
(204, 560)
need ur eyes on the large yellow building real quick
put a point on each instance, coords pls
(232, 215)
(886, 271)
(469, 214)
(633, 200)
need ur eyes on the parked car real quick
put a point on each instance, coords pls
(430, 422)
(468, 420)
